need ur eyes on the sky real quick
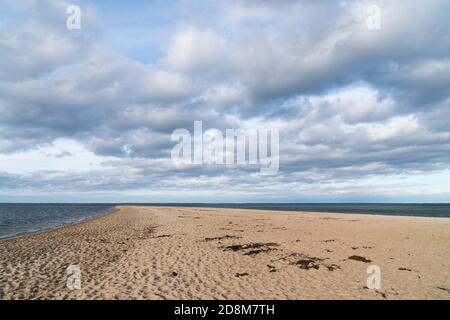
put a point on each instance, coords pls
(363, 113)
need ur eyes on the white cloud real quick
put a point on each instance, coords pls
(62, 155)
(196, 51)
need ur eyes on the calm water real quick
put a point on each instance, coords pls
(418, 210)
(18, 219)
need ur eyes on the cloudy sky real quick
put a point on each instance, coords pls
(87, 115)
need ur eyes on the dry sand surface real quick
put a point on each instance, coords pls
(205, 253)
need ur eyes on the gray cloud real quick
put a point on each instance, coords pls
(349, 102)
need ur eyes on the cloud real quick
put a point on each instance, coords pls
(351, 103)
(195, 51)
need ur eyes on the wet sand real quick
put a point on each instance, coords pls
(211, 253)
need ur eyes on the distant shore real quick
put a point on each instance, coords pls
(214, 253)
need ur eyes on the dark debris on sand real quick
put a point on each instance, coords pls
(238, 275)
(272, 268)
(404, 269)
(359, 258)
(162, 236)
(221, 238)
(444, 289)
(250, 249)
(306, 262)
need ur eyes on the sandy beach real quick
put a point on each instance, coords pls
(209, 253)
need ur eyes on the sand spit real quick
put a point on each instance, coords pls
(210, 253)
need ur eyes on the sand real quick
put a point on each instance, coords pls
(206, 253)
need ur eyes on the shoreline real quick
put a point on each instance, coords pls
(138, 252)
(270, 211)
(88, 219)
